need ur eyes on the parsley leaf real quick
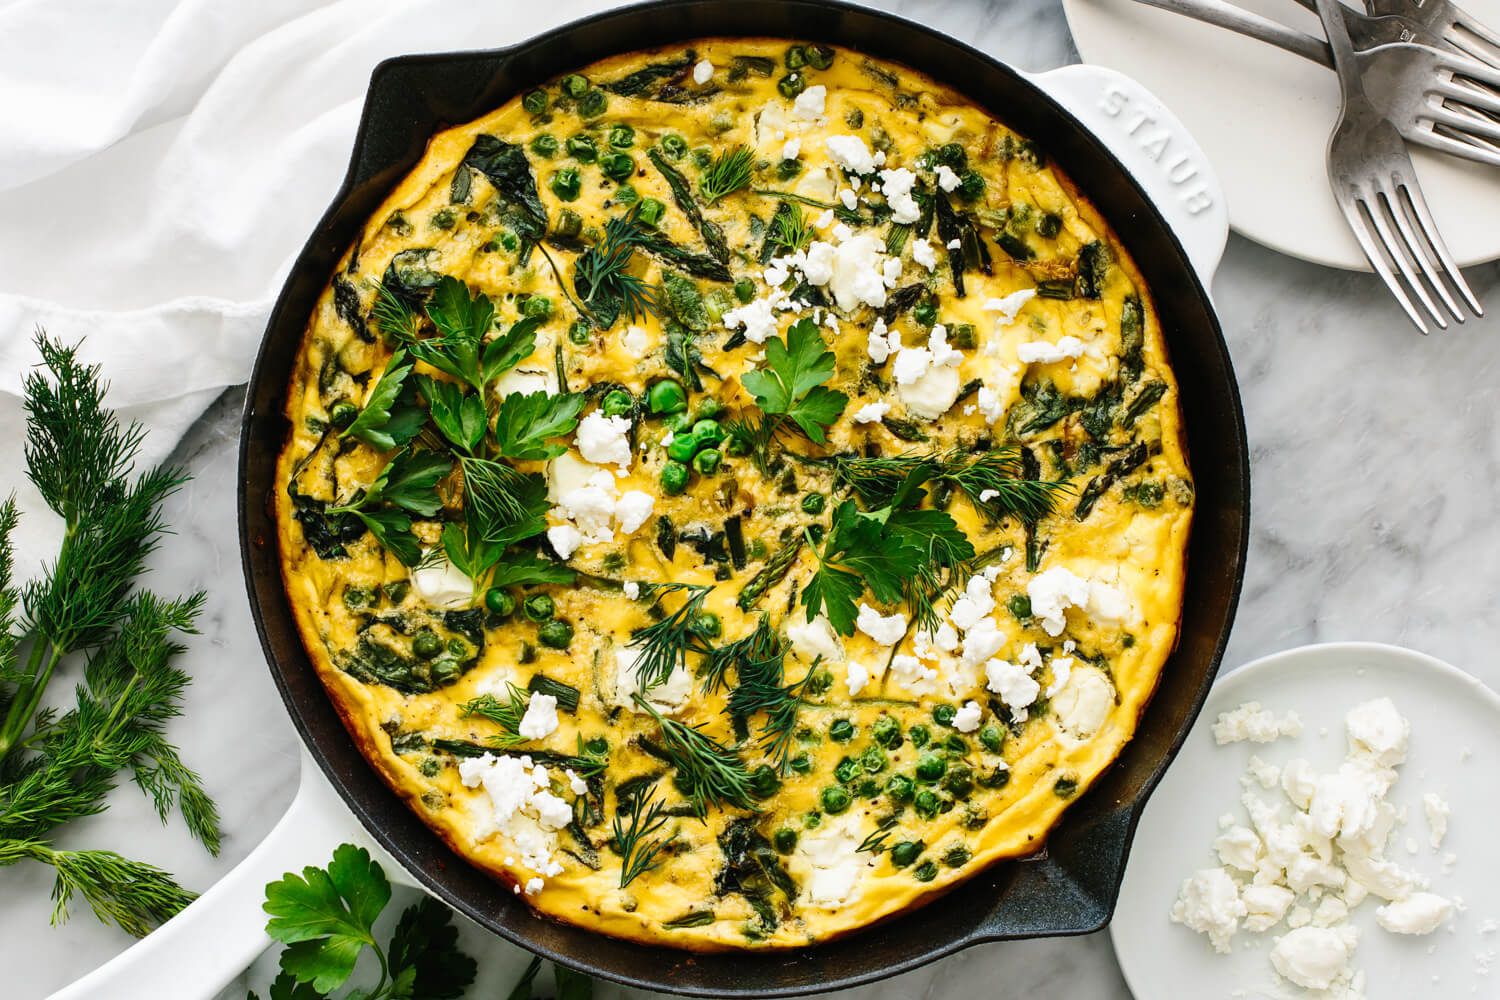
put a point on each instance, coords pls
(425, 959)
(523, 572)
(510, 348)
(326, 917)
(863, 551)
(392, 529)
(391, 416)
(525, 422)
(459, 415)
(408, 482)
(490, 528)
(792, 383)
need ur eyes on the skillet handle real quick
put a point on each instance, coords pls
(196, 953)
(1158, 151)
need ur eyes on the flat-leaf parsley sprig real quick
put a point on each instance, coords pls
(57, 766)
(791, 387)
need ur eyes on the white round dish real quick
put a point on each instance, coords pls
(1264, 116)
(1455, 739)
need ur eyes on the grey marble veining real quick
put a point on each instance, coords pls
(1376, 457)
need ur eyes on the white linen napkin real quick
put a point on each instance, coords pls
(161, 162)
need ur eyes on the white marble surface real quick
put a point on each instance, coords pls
(1375, 454)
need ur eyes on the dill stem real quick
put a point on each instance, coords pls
(30, 696)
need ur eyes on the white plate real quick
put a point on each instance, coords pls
(1451, 714)
(1264, 116)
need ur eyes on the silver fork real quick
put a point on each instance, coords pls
(1425, 92)
(1447, 21)
(1375, 186)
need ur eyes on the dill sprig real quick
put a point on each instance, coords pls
(790, 230)
(665, 644)
(781, 708)
(751, 656)
(875, 843)
(759, 659)
(991, 481)
(507, 714)
(637, 846)
(57, 766)
(394, 315)
(729, 172)
(713, 774)
(602, 279)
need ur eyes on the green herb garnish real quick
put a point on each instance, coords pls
(729, 172)
(665, 644)
(602, 278)
(637, 846)
(712, 773)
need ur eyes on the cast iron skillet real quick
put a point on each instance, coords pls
(1070, 888)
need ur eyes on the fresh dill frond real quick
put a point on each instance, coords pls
(875, 843)
(781, 719)
(665, 644)
(713, 774)
(602, 278)
(729, 172)
(132, 894)
(507, 714)
(394, 315)
(790, 229)
(636, 842)
(750, 656)
(757, 436)
(991, 481)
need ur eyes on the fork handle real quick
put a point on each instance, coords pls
(1237, 19)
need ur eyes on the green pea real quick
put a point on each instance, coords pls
(569, 224)
(617, 166)
(758, 549)
(557, 634)
(445, 670)
(709, 409)
(1019, 606)
(1065, 787)
(763, 782)
(737, 445)
(813, 503)
(867, 788)
(396, 590)
(796, 57)
(544, 145)
(621, 136)
(578, 332)
(683, 447)
(666, 396)
(834, 799)
(539, 607)
(821, 681)
(674, 478)
(359, 598)
(992, 737)
(925, 313)
(535, 101)
(900, 789)
(784, 841)
(575, 86)
(342, 414)
(885, 731)
(925, 872)
(997, 777)
(674, 146)
(499, 601)
(702, 157)
(581, 148)
(457, 647)
(801, 764)
(841, 731)
(812, 820)
(943, 714)
(536, 307)
(677, 423)
(708, 625)
(920, 735)
(508, 240)
(566, 184)
(617, 403)
(791, 85)
(905, 852)
(706, 462)
(592, 104)
(427, 644)
(627, 195)
(927, 803)
(650, 211)
(874, 760)
(959, 781)
(819, 56)
(955, 745)
(744, 290)
(854, 118)
(846, 770)
(930, 767)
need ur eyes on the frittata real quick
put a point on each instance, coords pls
(735, 492)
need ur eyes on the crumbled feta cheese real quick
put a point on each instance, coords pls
(1084, 702)
(881, 344)
(758, 316)
(1062, 668)
(858, 676)
(886, 630)
(526, 381)
(824, 220)
(575, 784)
(604, 440)
(636, 341)
(534, 885)
(1209, 903)
(633, 508)
(977, 601)
(942, 352)
(1265, 905)
(966, 719)
(632, 590)
(792, 149)
(911, 364)
(1437, 818)
(1045, 352)
(981, 642)
(565, 540)
(871, 413)
(955, 244)
(540, 720)
(812, 639)
(1016, 688)
(703, 72)
(922, 253)
(847, 197)
(835, 864)
(1419, 913)
(440, 584)
(591, 508)
(809, 104)
(946, 178)
(856, 276)
(1052, 592)
(851, 153)
(1008, 306)
(1239, 847)
(910, 672)
(670, 696)
(1250, 722)
(521, 806)
(1313, 957)
(1378, 732)
(897, 185)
